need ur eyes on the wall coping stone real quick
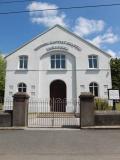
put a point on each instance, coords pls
(86, 95)
(107, 112)
(4, 113)
(21, 95)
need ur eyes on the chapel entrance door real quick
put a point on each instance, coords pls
(58, 96)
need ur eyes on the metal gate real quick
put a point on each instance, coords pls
(53, 113)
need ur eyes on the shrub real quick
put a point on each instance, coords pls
(1, 106)
(101, 104)
(1, 103)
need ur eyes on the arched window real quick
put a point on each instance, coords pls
(23, 62)
(58, 61)
(93, 87)
(93, 61)
(22, 87)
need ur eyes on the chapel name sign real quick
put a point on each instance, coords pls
(57, 48)
(58, 45)
(113, 94)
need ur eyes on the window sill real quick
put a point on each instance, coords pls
(57, 69)
(93, 69)
(21, 69)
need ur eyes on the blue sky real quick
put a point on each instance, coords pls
(100, 26)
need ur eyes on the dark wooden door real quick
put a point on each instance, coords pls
(58, 96)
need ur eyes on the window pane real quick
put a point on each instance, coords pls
(52, 63)
(21, 58)
(95, 84)
(96, 91)
(91, 89)
(90, 63)
(19, 89)
(25, 63)
(25, 57)
(95, 63)
(94, 57)
(91, 84)
(62, 56)
(21, 64)
(62, 63)
(20, 85)
(24, 85)
(57, 56)
(94, 88)
(57, 63)
(89, 57)
(24, 89)
(53, 57)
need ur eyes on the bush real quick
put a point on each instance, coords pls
(1, 103)
(1, 106)
(101, 104)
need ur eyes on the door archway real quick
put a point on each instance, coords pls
(58, 96)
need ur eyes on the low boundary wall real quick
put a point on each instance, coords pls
(107, 118)
(5, 119)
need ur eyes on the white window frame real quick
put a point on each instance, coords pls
(59, 59)
(93, 88)
(92, 57)
(24, 86)
(23, 58)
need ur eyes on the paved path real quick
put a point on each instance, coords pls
(60, 145)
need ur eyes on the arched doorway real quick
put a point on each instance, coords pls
(58, 96)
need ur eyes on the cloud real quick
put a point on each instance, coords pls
(47, 18)
(84, 26)
(113, 53)
(107, 38)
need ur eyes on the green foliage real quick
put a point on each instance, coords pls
(101, 104)
(118, 106)
(1, 106)
(2, 75)
(115, 72)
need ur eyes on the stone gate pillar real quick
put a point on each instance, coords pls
(86, 109)
(20, 109)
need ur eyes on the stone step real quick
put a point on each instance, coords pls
(52, 114)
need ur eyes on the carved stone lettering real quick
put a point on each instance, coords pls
(60, 43)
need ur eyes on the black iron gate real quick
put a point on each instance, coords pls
(63, 113)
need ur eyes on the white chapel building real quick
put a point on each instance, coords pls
(58, 64)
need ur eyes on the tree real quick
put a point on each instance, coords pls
(115, 72)
(2, 75)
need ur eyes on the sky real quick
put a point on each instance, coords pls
(99, 26)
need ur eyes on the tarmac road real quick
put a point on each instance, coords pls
(60, 144)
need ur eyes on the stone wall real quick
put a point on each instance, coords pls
(86, 109)
(5, 119)
(107, 118)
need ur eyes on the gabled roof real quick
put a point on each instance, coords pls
(66, 30)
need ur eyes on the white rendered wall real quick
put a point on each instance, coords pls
(77, 74)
